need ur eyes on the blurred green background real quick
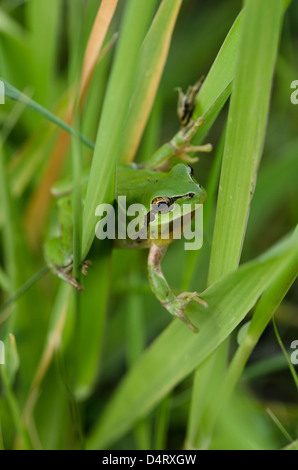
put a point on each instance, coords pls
(37, 40)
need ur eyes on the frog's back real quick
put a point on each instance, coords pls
(132, 181)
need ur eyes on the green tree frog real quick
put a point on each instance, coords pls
(167, 192)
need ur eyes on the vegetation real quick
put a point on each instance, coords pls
(89, 85)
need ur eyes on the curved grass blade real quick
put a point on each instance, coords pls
(178, 351)
(38, 275)
(246, 128)
(100, 186)
(245, 131)
(291, 367)
(16, 95)
(263, 313)
(136, 20)
(38, 206)
(152, 61)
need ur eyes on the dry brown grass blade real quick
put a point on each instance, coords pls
(38, 206)
(102, 21)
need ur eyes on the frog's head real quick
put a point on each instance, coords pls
(174, 200)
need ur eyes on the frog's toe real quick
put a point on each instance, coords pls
(85, 265)
(181, 315)
(64, 274)
(200, 301)
(188, 297)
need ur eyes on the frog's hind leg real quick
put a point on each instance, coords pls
(186, 102)
(174, 304)
(65, 273)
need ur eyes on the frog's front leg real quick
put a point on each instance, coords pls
(179, 147)
(181, 142)
(174, 304)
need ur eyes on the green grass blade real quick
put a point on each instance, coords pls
(193, 258)
(92, 326)
(43, 23)
(76, 152)
(10, 240)
(217, 86)
(4, 281)
(222, 71)
(291, 367)
(100, 189)
(292, 446)
(16, 95)
(264, 312)
(282, 168)
(265, 367)
(152, 61)
(162, 423)
(245, 130)
(135, 23)
(246, 126)
(220, 75)
(181, 351)
(15, 409)
(11, 27)
(279, 426)
(21, 290)
(219, 79)
(201, 384)
(135, 337)
(52, 344)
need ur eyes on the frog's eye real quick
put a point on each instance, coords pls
(163, 205)
(190, 170)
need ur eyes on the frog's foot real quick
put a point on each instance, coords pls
(85, 265)
(183, 145)
(182, 152)
(185, 298)
(198, 148)
(187, 102)
(177, 306)
(190, 296)
(64, 272)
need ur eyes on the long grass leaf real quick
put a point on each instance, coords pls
(263, 313)
(16, 95)
(181, 351)
(245, 131)
(40, 200)
(245, 135)
(98, 33)
(115, 107)
(152, 61)
(43, 23)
